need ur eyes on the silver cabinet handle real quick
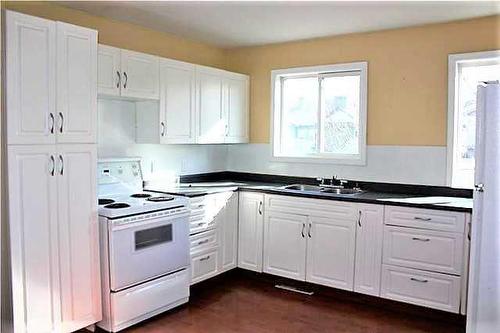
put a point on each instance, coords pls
(421, 239)
(422, 218)
(303, 228)
(119, 79)
(479, 187)
(53, 163)
(260, 207)
(419, 280)
(162, 124)
(226, 130)
(61, 126)
(126, 80)
(309, 230)
(203, 242)
(359, 218)
(205, 258)
(61, 160)
(52, 123)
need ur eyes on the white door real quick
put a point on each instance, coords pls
(368, 263)
(229, 234)
(109, 77)
(76, 84)
(330, 251)
(285, 244)
(237, 110)
(78, 235)
(33, 238)
(31, 81)
(211, 123)
(177, 107)
(250, 233)
(140, 75)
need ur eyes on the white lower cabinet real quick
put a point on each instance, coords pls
(204, 265)
(250, 233)
(229, 235)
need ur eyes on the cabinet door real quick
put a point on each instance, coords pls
(285, 245)
(76, 84)
(250, 234)
(330, 251)
(237, 110)
(140, 75)
(31, 81)
(211, 123)
(229, 234)
(368, 264)
(78, 236)
(33, 238)
(109, 71)
(177, 111)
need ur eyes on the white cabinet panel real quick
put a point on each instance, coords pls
(229, 234)
(78, 235)
(250, 234)
(211, 123)
(33, 238)
(204, 266)
(330, 252)
(368, 263)
(237, 110)
(177, 104)
(31, 79)
(140, 75)
(109, 71)
(285, 245)
(76, 84)
(425, 218)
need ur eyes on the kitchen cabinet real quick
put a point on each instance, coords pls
(250, 234)
(368, 262)
(285, 244)
(229, 234)
(236, 88)
(128, 74)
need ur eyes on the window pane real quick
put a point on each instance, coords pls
(299, 116)
(340, 114)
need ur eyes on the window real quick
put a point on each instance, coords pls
(319, 113)
(466, 71)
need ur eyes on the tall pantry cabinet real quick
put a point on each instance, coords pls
(51, 102)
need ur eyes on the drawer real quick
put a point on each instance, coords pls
(423, 249)
(310, 207)
(203, 241)
(425, 219)
(204, 265)
(433, 290)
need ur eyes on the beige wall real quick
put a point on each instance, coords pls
(125, 35)
(407, 75)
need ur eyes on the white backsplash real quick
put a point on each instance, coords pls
(396, 164)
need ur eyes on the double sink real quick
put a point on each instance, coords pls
(322, 189)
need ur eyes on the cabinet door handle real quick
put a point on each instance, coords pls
(61, 160)
(61, 118)
(119, 79)
(303, 228)
(205, 258)
(52, 123)
(226, 130)
(359, 218)
(53, 163)
(418, 218)
(260, 207)
(162, 124)
(309, 230)
(126, 80)
(419, 280)
(421, 239)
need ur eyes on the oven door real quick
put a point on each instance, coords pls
(146, 249)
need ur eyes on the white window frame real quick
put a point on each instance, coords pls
(327, 70)
(454, 61)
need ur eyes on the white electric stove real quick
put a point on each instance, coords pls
(144, 241)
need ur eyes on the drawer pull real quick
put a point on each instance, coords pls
(418, 218)
(200, 224)
(419, 280)
(421, 239)
(205, 258)
(203, 242)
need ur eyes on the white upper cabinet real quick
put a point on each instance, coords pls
(76, 84)
(209, 102)
(177, 102)
(250, 233)
(237, 111)
(128, 74)
(31, 79)
(370, 226)
(109, 70)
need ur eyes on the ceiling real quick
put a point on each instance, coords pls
(248, 23)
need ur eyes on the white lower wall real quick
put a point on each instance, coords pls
(393, 164)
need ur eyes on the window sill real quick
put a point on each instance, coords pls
(361, 161)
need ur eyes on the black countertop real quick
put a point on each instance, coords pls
(428, 201)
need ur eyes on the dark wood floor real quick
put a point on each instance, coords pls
(238, 302)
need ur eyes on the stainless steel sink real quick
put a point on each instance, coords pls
(302, 187)
(315, 188)
(342, 190)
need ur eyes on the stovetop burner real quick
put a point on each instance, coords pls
(140, 195)
(117, 205)
(161, 198)
(105, 201)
